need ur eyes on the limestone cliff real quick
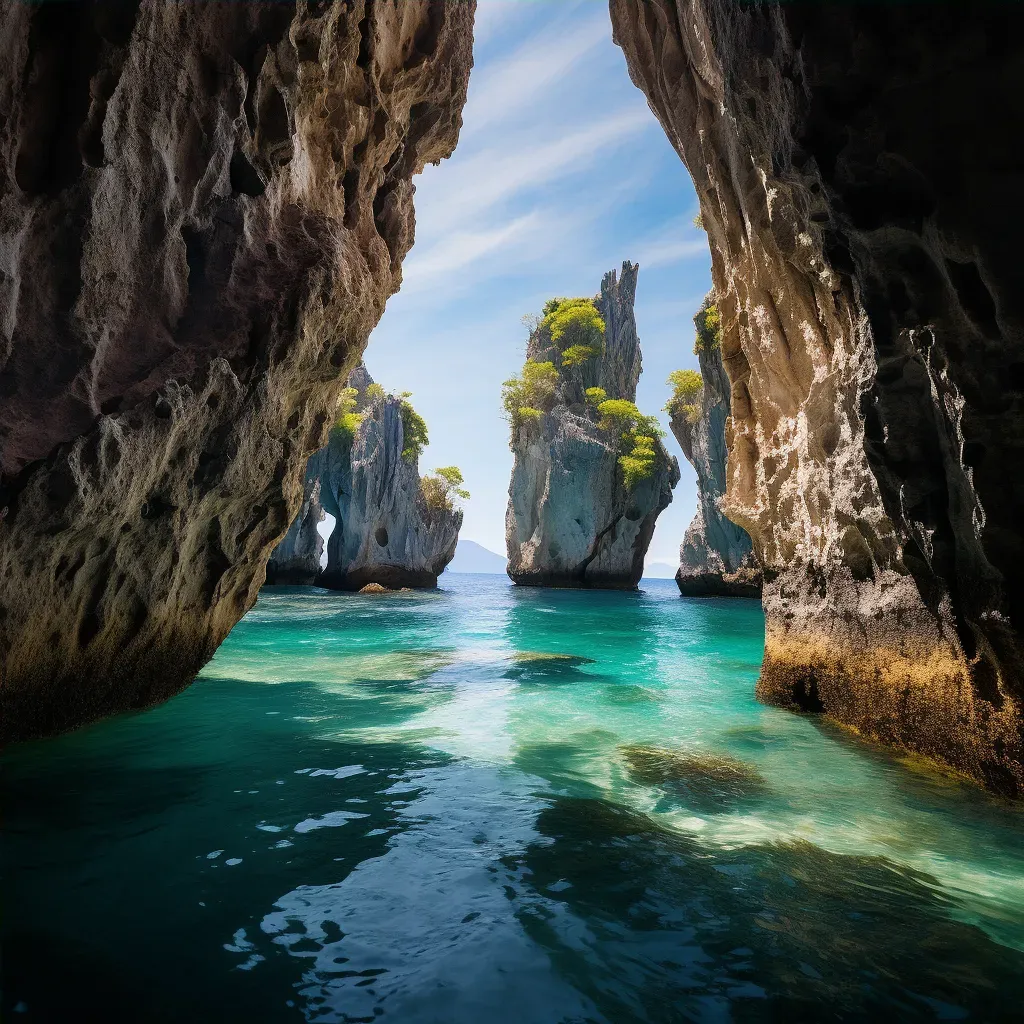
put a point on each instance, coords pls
(861, 197)
(388, 530)
(716, 558)
(296, 559)
(203, 209)
(572, 520)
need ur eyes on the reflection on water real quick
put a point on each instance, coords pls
(490, 804)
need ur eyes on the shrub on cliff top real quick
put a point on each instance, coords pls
(686, 388)
(533, 391)
(442, 487)
(374, 391)
(576, 328)
(708, 322)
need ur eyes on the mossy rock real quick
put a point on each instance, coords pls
(540, 656)
(701, 775)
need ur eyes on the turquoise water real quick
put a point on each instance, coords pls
(406, 808)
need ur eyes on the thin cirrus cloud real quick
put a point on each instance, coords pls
(678, 240)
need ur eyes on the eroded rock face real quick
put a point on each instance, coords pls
(204, 208)
(716, 558)
(571, 522)
(296, 559)
(861, 198)
(385, 533)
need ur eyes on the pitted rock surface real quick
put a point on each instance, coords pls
(570, 520)
(860, 194)
(204, 208)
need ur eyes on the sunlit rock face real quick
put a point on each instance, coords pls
(716, 558)
(386, 533)
(571, 522)
(204, 208)
(861, 196)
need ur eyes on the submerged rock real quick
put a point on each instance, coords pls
(389, 530)
(204, 209)
(716, 557)
(572, 521)
(862, 205)
(701, 775)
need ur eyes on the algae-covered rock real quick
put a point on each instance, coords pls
(706, 777)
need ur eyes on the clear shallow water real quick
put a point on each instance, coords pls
(402, 807)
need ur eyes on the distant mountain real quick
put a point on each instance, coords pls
(473, 557)
(660, 571)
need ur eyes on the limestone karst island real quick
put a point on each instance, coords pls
(511, 511)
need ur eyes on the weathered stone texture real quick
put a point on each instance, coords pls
(296, 559)
(570, 521)
(204, 207)
(716, 558)
(385, 532)
(858, 178)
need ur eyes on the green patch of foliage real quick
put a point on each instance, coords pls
(414, 429)
(637, 436)
(346, 421)
(595, 396)
(442, 487)
(708, 322)
(374, 391)
(574, 355)
(576, 326)
(698, 222)
(525, 397)
(686, 388)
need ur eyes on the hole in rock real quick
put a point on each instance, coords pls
(380, 535)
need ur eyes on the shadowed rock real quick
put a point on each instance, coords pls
(204, 207)
(708, 778)
(860, 187)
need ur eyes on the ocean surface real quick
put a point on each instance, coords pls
(487, 804)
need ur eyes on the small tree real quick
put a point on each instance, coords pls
(442, 487)
(374, 392)
(687, 386)
(525, 397)
(575, 327)
(414, 429)
(595, 396)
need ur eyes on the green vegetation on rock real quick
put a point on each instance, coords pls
(637, 438)
(347, 421)
(595, 396)
(575, 327)
(708, 322)
(525, 397)
(686, 388)
(442, 487)
(414, 429)
(374, 391)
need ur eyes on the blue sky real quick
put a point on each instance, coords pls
(561, 173)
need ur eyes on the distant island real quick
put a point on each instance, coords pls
(473, 557)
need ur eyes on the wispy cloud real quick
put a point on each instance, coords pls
(531, 71)
(677, 240)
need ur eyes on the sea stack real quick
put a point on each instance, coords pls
(590, 475)
(392, 528)
(716, 558)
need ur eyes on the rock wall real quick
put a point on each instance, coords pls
(570, 520)
(858, 180)
(296, 559)
(204, 207)
(385, 533)
(716, 558)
